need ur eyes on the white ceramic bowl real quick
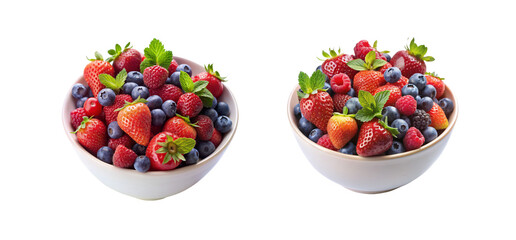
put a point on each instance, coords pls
(371, 174)
(153, 184)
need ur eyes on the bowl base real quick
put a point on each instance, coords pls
(372, 192)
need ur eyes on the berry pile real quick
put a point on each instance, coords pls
(370, 103)
(148, 112)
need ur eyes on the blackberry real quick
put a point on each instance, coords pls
(420, 119)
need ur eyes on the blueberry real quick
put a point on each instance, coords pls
(205, 148)
(185, 68)
(223, 124)
(140, 91)
(128, 87)
(418, 79)
(418, 99)
(154, 102)
(315, 134)
(428, 91)
(142, 163)
(402, 127)
(396, 147)
(174, 79)
(406, 119)
(79, 91)
(349, 148)
(429, 133)
(305, 126)
(114, 131)
(353, 105)
(192, 157)
(425, 104)
(139, 149)
(105, 154)
(387, 56)
(392, 74)
(90, 93)
(447, 105)
(169, 107)
(106, 97)
(297, 111)
(319, 68)
(410, 89)
(135, 77)
(352, 92)
(158, 117)
(214, 103)
(391, 113)
(222, 109)
(211, 113)
(80, 102)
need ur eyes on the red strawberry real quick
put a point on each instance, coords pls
(166, 150)
(180, 126)
(384, 68)
(124, 157)
(439, 120)
(124, 140)
(337, 63)
(196, 96)
(368, 81)
(172, 68)
(204, 127)
(339, 101)
(340, 83)
(316, 105)
(400, 83)
(189, 105)
(120, 100)
(92, 134)
(216, 138)
(413, 139)
(92, 71)
(135, 120)
(326, 142)
(155, 76)
(156, 129)
(437, 82)
(362, 48)
(373, 139)
(412, 60)
(214, 80)
(167, 92)
(406, 105)
(393, 97)
(77, 116)
(127, 58)
(341, 129)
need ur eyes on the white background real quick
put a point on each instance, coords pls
(263, 188)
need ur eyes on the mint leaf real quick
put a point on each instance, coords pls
(146, 63)
(120, 78)
(364, 115)
(199, 85)
(366, 99)
(186, 82)
(206, 97)
(428, 59)
(303, 81)
(164, 59)
(370, 57)
(317, 81)
(378, 63)
(184, 145)
(156, 54)
(381, 98)
(357, 64)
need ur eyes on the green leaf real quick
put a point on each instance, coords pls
(370, 57)
(364, 115)
(394, 131)
(98, 56)
(127, 45)
(199, 85)
(302, 94)
(206, 97)
(161, 150)
(375, 44)
(413, 44)
(381, 98)
(184, 145)
(428, 59)
(149, 54)
(146, 63)
(366, 99)
(357, 64)
(378, 63)
(164, 59)
(317, 80)
(118, 48)
(120, 78)
(108, 81)
(304, 81)
(111, 51)
(186, 82)
(333, 53)
(167, 158)
(325, 54)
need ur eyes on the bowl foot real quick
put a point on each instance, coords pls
(372, 192)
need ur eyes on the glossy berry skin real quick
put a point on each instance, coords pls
(93, 136)
(446, 105)
(215, 85)
(185, 68)
(155, 76)
(406, 105)
(77, 116)
(129, 59)
(80, 102)
(429, 91)
(392, 75)
(154, 102)
(414, 139)
(191, 157)
(401, 83)
(362, 48)
(106, 97)
(340, 83)
(114, 131)
(437, 83)
(223, 124)
(391, 113)
(339, 101)
(158, 117)
(110, 112)
(326, 142)
(373, 139)
(178, 126)
(395, 93)
(368, 81)
(136, 121)
(407, 63)
(156, 159)
(169, 107)
(172, 67)
(205, 148)
(128, 87)
(297, 111)
(125, 140)
(387, 57)
(438, 117)
(425, 104)
(430, 134)
(317, 108)
(142, 164)
(315, 134)
(410, 89)
(189, 105)
(205, 127)
(337, 65)
(216, 138)
(350, 149)
(92, 107)
(92, 72)
(396, 147)
(141, 92)
(167, 92)
(341, 129)
(402, 127)
(174, 79)
(305, 126)
(222, 108)
(419, 80)
(135, 77)
(353, 105)
(79, 91)
(105, 154)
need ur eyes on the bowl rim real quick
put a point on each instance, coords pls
(452, 120)
(175, 171)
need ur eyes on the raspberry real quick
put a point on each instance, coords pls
(363, 48)
(77, 115)
(340, 83)
(406, 105)
(325, 142)
(414, 139)
(420, 119)
(339, 101)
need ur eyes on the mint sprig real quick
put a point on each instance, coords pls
(312, 84)
(370, 62)
(198, 88)
(175, 149)
(371, 105)
(156, 54)
(113, 83)
(419, 51)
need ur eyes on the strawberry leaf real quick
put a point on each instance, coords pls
(186, 82)
(83, 124)
(184, 145)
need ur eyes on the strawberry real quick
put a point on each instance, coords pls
(92, 71)
(340, 83)
(92, 134)
(196, 96)
(362, 48)
(204, 127)
(124, 140)
(341, 128)
(384, 68)
(167, 92)
(158, 60)
(439, 120)
(367, 79)
(120, 100)
(181, 126)
(337, 63)
(135, 119)
(124, 157)
(155, 76)
(436, 81)
(214, 80)
(400, 83)
(216, 138)
(166, 150)
(172, 68)
(412, 60)
(339, 101)
(316, 104)
(326, 142)
(393, 97)
(127, 58)
(77, 116)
